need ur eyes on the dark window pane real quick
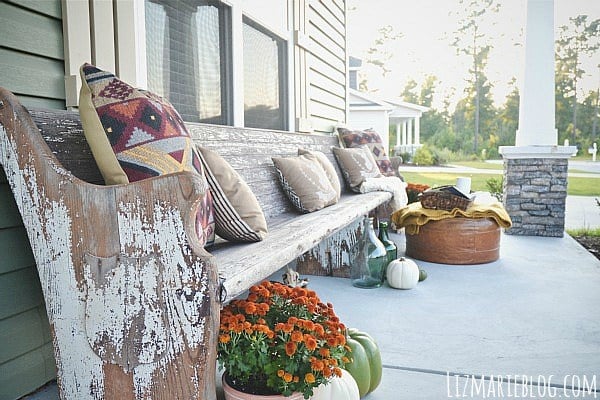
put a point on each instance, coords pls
(264, 74)
(186, 57)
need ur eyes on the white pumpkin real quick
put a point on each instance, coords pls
(344, 388)
(402, 273)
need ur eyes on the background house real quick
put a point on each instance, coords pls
(366, 111)
(275, 64)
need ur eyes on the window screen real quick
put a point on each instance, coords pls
(264, 77)
(187, 51)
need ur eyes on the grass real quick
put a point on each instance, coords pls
(595, 232)
(479, 165)
(496, 166)
(577, 186)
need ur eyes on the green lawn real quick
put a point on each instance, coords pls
(576, 186)
(494, 166)
(479, 164)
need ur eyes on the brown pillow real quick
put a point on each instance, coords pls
(372, 140)
(357, 164)
(238, 216)
(328, 167)
(305, 182)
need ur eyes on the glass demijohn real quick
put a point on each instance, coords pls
(369, 258)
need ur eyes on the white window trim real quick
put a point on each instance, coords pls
(134, 10)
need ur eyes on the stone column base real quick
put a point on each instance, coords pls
(535, 189)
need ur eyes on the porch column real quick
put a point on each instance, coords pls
(418, 130)
(404, 133)
(398, 134)
(409, 132)
(535, 170)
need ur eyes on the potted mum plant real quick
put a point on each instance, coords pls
(279, 341)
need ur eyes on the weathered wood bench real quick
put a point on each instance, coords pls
(93, 236)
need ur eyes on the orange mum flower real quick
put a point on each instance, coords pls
(324, 352)
(337, 372)
(250, 308)
(309, 378)
(290, 348)
(317, 365)
(280, 373)
(224, 338)
(311, 343)
(288, 377)
(296, 336)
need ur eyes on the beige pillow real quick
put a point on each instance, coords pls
(238, 216)
(357, 164)
(328, 167)
(305, 182)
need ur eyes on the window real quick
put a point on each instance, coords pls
(187, 55)
(264, 78)
(194, 55)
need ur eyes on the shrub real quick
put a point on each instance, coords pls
(423, 156)
(495, 187)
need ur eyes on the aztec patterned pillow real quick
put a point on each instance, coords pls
(328, 167)
(135, 134)
(357, 164)
(372, 140)
(305, 182)
(238, 216)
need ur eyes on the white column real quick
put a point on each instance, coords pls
(404, 133)
(536, 110)
(418, 130)
(398, 133)
(409, 132)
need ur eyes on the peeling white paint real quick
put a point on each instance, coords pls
(139, 310)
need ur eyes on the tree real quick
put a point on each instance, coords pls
(427, 91)
(471, 41)
(378, 54)
(409, 94)
(580, 38)
(508, 117)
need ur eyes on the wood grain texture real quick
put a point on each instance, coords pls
(121, 264)
(132, 248)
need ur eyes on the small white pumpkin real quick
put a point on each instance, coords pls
(402, 274)
(344, 387)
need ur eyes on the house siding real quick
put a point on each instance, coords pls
(31, 52)
(327, 64)
(32, 67)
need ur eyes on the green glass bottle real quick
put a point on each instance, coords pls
(390, 246)
(369, 259)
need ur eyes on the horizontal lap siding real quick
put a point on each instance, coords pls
(326, 64)
(32, 67)
(31, 52)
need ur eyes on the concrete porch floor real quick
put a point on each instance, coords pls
(531, 316)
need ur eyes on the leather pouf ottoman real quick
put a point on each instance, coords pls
(456, 241)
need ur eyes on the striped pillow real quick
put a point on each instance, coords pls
(238, 216)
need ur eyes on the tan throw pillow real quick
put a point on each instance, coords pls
(238, 216)
(357, 164)
(372, 140)
(328, 167)
(305, 182)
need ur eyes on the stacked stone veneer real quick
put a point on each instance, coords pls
(535, 192)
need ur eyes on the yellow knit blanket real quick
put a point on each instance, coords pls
(414, 215)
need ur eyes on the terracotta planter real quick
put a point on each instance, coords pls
(233, 394)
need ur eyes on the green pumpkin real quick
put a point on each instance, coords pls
(366, 361)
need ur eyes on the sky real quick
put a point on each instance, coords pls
(424, 49)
